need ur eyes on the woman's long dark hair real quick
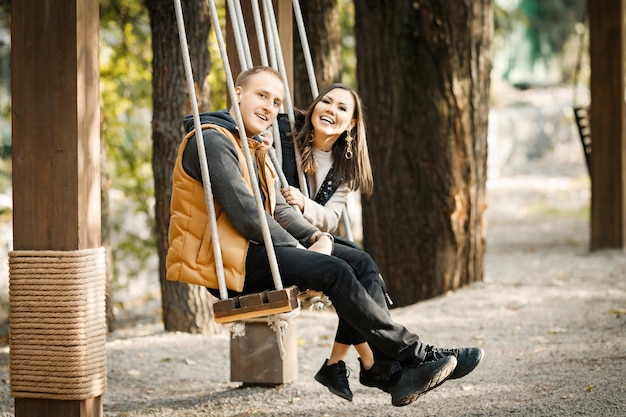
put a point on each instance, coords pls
(357, 171)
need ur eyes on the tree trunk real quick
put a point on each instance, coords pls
(423, 72)
(321, 20)
(185, 307)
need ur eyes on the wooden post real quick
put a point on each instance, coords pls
(56, 144)
(255, 357)
(607, 116)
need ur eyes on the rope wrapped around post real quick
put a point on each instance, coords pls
(58, 324)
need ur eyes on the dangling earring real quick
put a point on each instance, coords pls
(311, 138)
(348, 152)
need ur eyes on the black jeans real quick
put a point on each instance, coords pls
(350, 280)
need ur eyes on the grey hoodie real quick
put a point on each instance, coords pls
(287, 227)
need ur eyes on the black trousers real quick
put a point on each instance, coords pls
(350, 280)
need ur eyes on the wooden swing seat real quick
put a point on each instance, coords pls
(255, 305)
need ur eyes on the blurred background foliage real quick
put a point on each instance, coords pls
(536, 42)
(125, 98)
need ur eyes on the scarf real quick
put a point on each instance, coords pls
(264, 171)
(327, 189)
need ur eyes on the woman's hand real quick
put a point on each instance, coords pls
(294, 197)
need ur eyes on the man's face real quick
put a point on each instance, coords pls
(260, 99)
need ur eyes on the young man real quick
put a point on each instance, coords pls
(404, 367)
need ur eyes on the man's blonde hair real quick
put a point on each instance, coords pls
(244, 76)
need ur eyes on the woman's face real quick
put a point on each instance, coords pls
(332, 116)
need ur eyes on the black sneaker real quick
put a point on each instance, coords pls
(335, 377)
(375, 378)
(467, 358)
(414, 381)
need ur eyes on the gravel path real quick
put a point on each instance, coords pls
(550, 315)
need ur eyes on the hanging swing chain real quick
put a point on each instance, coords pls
(206, 180)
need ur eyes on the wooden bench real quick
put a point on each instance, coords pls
(584, 130)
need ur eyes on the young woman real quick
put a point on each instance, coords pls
(335, 159)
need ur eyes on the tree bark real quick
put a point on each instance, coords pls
(423, 71)
(321, 21)
(185, 307)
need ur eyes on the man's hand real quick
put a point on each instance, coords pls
(323, 244)
(267, 137)
(294, 197)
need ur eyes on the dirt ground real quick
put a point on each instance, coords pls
(550, 315)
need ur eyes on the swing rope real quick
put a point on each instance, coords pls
(267, 238)
(275, 41)
(277, 62)
(279, 323)
(248, 306)
(239, 31)
(314, 93)
(319, 302)
(305, 48)
(206, 179)
(243, 48)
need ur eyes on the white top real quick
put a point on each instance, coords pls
(325, 217)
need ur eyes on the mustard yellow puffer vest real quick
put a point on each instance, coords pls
(190, 257)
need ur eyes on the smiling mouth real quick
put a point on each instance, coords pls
(327, 119)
